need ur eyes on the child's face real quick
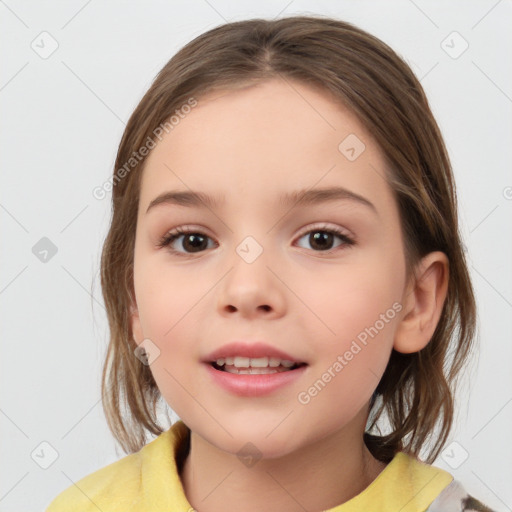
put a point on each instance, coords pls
(248, 148)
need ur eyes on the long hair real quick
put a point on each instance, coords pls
(416, 393)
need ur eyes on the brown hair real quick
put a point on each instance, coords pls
(355, 68)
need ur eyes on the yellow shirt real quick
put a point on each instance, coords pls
(148, 481)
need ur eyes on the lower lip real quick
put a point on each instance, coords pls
(254, 385)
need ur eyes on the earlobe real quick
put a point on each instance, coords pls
(423, 304)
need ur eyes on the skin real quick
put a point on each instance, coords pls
(251, 145)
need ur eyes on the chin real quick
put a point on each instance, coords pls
(260, 449)
(252, 440)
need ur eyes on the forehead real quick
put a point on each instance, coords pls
(259, 142)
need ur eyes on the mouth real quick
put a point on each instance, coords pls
(256, 366)
(246, 377)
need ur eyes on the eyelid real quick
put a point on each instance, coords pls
(327, 227)
(183, 230)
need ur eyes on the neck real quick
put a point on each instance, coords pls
(319, 476)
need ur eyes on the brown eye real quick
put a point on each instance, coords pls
(192, 241)
(322, 240)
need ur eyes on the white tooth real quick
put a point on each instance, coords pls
(241, 362)
(255, 362)
(261, 362)
(251, 371)
(262, 371)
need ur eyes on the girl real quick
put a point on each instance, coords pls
(284, 268)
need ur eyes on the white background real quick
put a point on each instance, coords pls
(62, 120)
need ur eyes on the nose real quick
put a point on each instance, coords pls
(252, 290)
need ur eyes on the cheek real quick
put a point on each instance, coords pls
(357, 311)
(343, 301)
(168, 302)
(166, 297)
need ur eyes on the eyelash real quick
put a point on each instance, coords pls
(170, 237)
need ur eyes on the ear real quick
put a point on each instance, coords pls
(423, 303)
(138, 336)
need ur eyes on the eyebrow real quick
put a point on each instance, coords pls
(304, 197)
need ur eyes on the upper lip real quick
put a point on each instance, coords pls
(251, 350)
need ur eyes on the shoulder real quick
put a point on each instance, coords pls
(424, 487)
(119, 480)
(454, 498)
(122, 485)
